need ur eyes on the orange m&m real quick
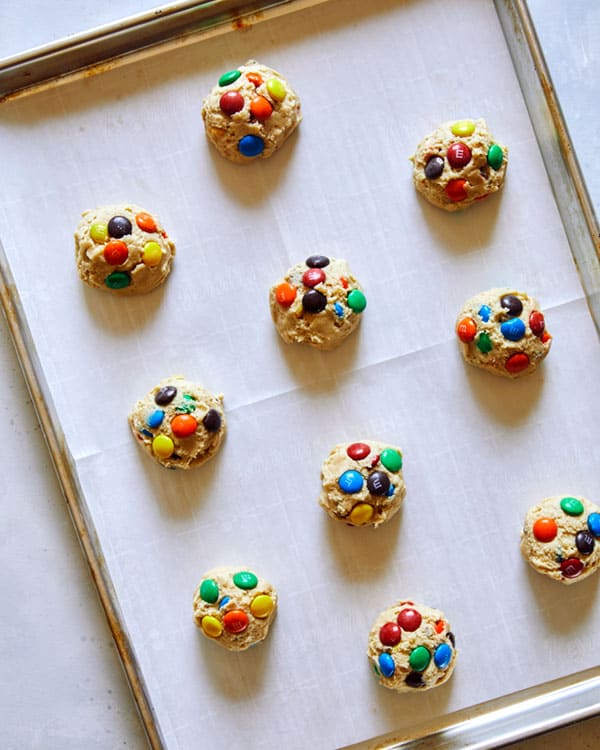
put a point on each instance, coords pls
(183, 425)
(261, 108)
(466, 330)
(115, 252)
(254, 79)
(235, 621)
(285, 294)
(145, 222)
(545, 529)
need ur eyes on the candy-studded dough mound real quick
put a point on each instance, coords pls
(411, 647)
(122, 249)
(318, 302)
(504, 332)
(458, 164)
(362, 483)
(179, 423)
(234, 607)
(250, 113)
(561, 538)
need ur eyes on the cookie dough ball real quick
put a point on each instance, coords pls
(504, 332)
(458, 164)
(250, 113)
(122, 249)
(179, 423)
(411, 647)
(561, 538)
(362, 483)
(318, 302)
(234, 607)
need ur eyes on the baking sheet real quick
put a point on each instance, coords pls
(477, 452)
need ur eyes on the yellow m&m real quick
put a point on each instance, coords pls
(361, 513)
(163, 446)
(463, 127)
(276, 89)
(152, 254)
(262, 606)
(99, 232)
(211, 626)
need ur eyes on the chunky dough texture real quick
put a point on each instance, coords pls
(411, 647)
(234, 607)
(179, 423)
(458, 164)
(122, 249)
(362, 483)
(561, 538)
(318, 302)
(503, 331)
(259, 111)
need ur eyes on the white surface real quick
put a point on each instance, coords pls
(61, 685)
(462, 262)
(33, 23)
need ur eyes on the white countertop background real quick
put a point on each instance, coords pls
(62, 685)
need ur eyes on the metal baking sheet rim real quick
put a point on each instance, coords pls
(492, 724)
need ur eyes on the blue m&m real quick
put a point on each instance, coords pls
(387, 665)
(513, 329)
(155, 419)
(442, 656)
(593, 523)
(351, 482)
(251, 145)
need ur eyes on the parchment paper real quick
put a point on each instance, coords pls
(374, 78)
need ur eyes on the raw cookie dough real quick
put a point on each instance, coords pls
(504, 332)
(179, 423)
(362, 483)
(234, 607)
(318, 302)
(250, 113)
(122, 249)
(458, 164)
(411, 647)
(561, 538)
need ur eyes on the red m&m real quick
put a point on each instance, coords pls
(409, 619)
(456, 190)
(459, 155)
(537, 323)
(313, 276)
(517, 363)
(390, 634)
(357, 451)
(231, 102)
